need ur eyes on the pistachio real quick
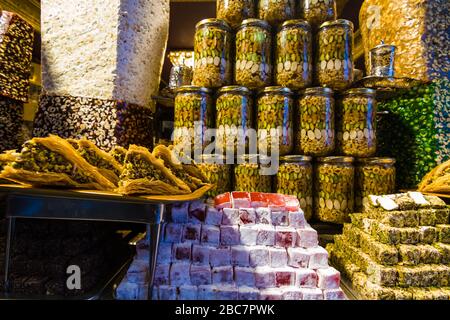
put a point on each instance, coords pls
(247, 177)
(317, 12)
(218, 174)
(275, 12)
(235, 11)
(137, 168)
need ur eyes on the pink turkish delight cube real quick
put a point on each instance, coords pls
(247, 216)
(197, 212)
(334, 294)
(307, 238)
(230, 216)
(240, 256)
(305, 278)
(258, 199)
(278, 257)
(263, 216)
(276, 202)
(210, 235)
(244, 276)
(222, 275)
(200, 274)
(266, 235)
(191, 233)
(164, 253)
(187, 292)
(297, 219)
(227, 293)
(180, 212)
(229, 235)
(291, 203)
(220, 256)
(264, 278)
(249, 235)
(167, 292)
(247, 293)
(182, 251)
(318, 258)
(292, 294)
(200, 254)
(329, 278)
(285, 237)
(271, 294)
(179, 273)
(207, 292)
(280, 218)
(284, 277)
(162, 272)
(312, 294)
(213, 216)
(298, 257)
(223, 201)
(259, 256)
(240, 199)
(173, 232)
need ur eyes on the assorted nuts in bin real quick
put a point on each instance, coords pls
(235, 11)
(248, 177)
(317, 12)
(276, 12)
(218, 172)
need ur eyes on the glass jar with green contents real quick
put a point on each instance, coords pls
(235, 11)
(274, 120)
(374, 176)
(294, 55)
(317, 12)
(212, 54)
(295, 177)
(253, 67)
(316, 136)
(334, 65)
(248, 176)
(193, 116)
(334, 189)
(234, 117)
(356, 123)
(218, 172)
(276, 12)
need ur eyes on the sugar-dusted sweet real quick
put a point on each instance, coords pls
(222, 275)
(213, 216)
(229, 235)
(276, 202)
(297, 219)
(179, 273)
(312, 294)
(162, 272)
(305, 278)
(244, 276)
(191, 232)
(278, 257)
(264, 277)
(167, 292)
(329, 278)
(292, 294)
(164, 252)
(284, 277)
(247, 216)
(187, 292)
(249, 233)
(210, 235)
(222, 201)
(180, 212)
(240, 256)
(200, 274)
(200, 254)
(228, 292)
(182, 251)
(259, 256)
(266, 235)
(318, 258)
(271, 294)
(230, 216)
(248, 293)
(334, 294)
(298, 257)
(240, 199)
(307, 237)
(197, 212)
(207, 292)
(428, 234)
(280, 218)
(220, 256)
(138, 271)
(127, 291)
(285, 237)
(263, 216)
(291, 203)
(258, 200)
(173, 232)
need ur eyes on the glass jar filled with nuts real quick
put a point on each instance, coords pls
(317, 12)
(253, 67)
(234, 117)
(316, 110)
(356, 123)
(374, 176)
(295, 177)
(276, 11)
(212, 54)
(274, 120)
(218, 172)
(248, 175)
(382, 60)
(294, 55)
(334, 65)
(334, 189)
(193, 115)
(235, 11)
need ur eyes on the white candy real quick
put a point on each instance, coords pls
(292, 294)
(180, 212)
(334, 294)
(200, 254)
(298, 257)
(264, 278)
(312, 294)
(248, 235)
(307, 237)
(210, 235)
(179, 273)
(280, 218)
(329, 278)
(240, 256)
(387, 203)
(207, 292)
(247, 216)
(227, 293)
(278, 257)
(200, 274)
(222, 275)
(162, 272)
(230, 216)
(191, 233)
(297, 219)
(164, 253)
(259, 256)
(271, 294)
(244, 276)
(266, 235)
(182, 251)
(305, 278)
(418, 198)
(246, 293)
(167, 292)
(213, 216)
(173, 232)
(285, 237)
(187, 293)
(220, 256)
(318, 258)
(229, 235)
(263, 216)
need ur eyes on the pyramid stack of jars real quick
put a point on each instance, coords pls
(263, 74)
(399, 248)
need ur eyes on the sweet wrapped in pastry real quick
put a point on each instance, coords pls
(119, 154)
(145, 174)
(8, 157)
(189, 164)
(437, 180)
(53, 161)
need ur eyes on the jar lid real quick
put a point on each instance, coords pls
(214, 22)
(336, 160)
(296, 23)
(193, 89)
(337, 22)
(237, 89)
(376, 160)
(296, 158)
(361, 91)
(255, 23)
(320, 90)
(276, 89)
(387, 47)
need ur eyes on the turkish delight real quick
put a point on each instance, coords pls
(247, 293)
(213, 216)
(244, 276)
(179, 213)
(285, 237)
(383, 276)
(240, 199)
(164, 252)
(284, 277)
(227, 293)
(187, 292)
(312, 294)
(444, 232)
(306, 278)
(307, 237)
(191, 233)
(207, 292)
(247, 216)
(210, 235)
(220, 256)
(173, 232)
(197, 212)
(329, 278)
(200, 254)
(444, 249)
(280, 218)
(200, 275)
(409, 254)
(442, 215)
(266, 235)
(298, 257)
(223, 201)
(138, 272)
(264, 278)
(259, 256)
(249, 234)
(271, 294)
(162, 272)
(291, 203)
(167, 292)
(297, 219)
(292, 294)
(278, 257)
(334, 294)
(382, 253)
(240, 256)
(429, 255)
(428, 234)
(427, 217)
(179, 274)
(263, 216)
(222, 275)
(276, 202)
(229, 235)
(182, 251)
(318, 258)
(230, 216)
(258, 200)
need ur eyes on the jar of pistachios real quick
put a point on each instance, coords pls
(317, 12)
(334, 65)
(234, 117)
(212, 54)
(374, 176)
(356, 123)
(295, 177)
(253, 67)
(235, 11)
(294, 55)
(276, 12)
(249, 174)
(274, 120)
(333, 189)
(214, 167)
(315, 134)
(382, 60)
(193, 116)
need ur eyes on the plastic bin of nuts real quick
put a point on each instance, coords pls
(212, 54)
(276, 12)
(253, 67)
(334, 189)
(218, 172)
(294, 55)
(356, 123)
(295, 177)
(317, 12)
(235, 11)
(316, 110)
(334, 65)
(248, 176)
(374, 176)
(274, 122)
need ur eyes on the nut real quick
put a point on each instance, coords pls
(247, 177)
(276, 12)
(218, 174)
(317, 12)
(235, 11)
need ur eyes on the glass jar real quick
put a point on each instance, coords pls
(317, 12)
(316, 136)
(276, 12)
(334, 65)
(212, 54)
(382, 60)
(253, 67)
(274, 120)
(235, 11)
(374, 176)
(356, 123)
(295, 177)
(193, 115)
(334, 193)
(218, 172)
(248, 177)
(294, 55)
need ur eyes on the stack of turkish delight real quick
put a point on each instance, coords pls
(248, 246)
(398, 248)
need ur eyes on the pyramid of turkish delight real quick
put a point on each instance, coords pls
(398, 248)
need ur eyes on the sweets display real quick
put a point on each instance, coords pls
(119, 154)
(317, 12)
(11, 120)
(397, 248)
(276, 12)
(235, 11)
(218, 172)
(248, 175)
(437, 180)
